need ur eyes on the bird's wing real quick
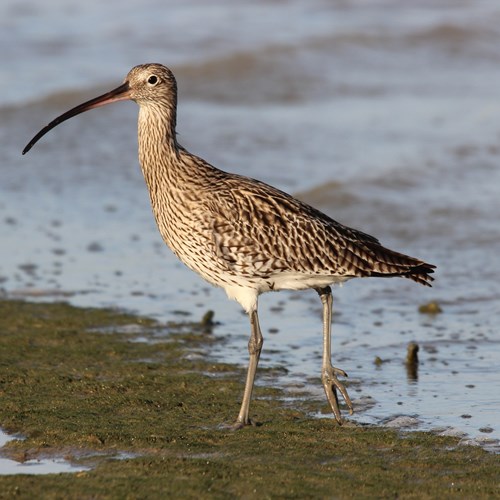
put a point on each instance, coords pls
(259, 230)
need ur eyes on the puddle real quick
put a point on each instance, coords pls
(42, 466)
(35, 466)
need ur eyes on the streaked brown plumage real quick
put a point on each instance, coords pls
(239, 233)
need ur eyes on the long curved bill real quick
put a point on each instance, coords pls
(121, 93)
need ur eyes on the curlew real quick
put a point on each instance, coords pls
(242, 234)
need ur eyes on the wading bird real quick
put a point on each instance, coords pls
(239, 233)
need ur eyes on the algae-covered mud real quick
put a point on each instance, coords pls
(143, 407)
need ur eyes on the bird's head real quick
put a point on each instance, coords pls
(146, 84)
(150, 83)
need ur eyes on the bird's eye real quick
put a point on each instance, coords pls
(153, 80)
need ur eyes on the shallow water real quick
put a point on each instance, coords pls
(385, 116)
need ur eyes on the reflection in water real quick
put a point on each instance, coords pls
(412, 362)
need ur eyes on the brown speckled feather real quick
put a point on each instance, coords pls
(261, 230)
(254, 231)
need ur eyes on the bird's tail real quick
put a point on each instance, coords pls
(389, 263)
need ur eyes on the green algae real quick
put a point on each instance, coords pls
(431, 308)
(77, 383)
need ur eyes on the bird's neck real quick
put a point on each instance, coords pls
(158, 146)
(160, 155)
(156, 132)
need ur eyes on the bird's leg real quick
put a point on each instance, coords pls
(328, 372)
(254, 349)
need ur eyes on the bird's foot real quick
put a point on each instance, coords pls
(239, 424)
(331, 383)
